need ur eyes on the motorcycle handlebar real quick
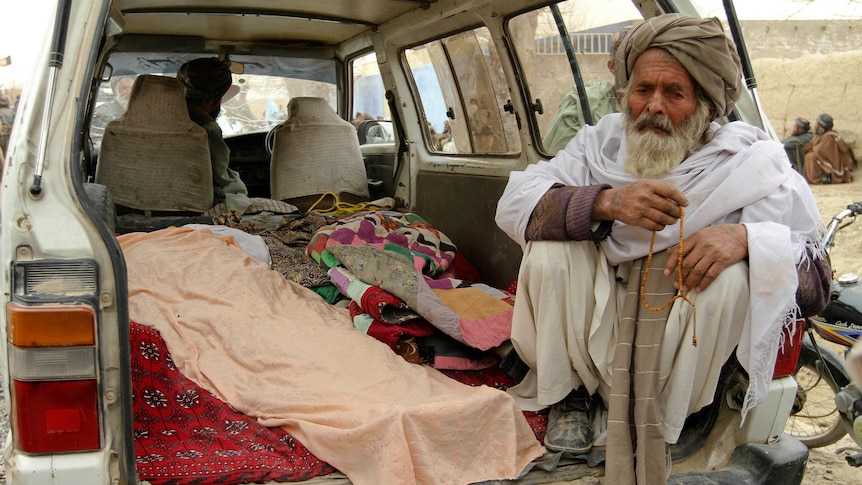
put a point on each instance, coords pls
(834, 226)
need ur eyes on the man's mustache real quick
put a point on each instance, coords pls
(646, 120)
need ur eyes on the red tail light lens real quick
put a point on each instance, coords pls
(788, 354)
(55, 416)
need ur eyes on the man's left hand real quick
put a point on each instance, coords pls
(706, 253)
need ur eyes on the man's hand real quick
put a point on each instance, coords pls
(651, 204)
(706, 253)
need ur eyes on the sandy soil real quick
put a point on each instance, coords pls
(827, 464)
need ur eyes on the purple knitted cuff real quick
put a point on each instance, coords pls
(579, 214)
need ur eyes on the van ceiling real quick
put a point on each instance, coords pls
(326, 22)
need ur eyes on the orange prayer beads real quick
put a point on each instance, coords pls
(680, 294)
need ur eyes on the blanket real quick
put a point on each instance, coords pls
(429, 250)
(186, 436)
(277, 352)
(400, 254)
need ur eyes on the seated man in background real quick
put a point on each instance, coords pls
(602, 98)
(591, 321)
(206, 81)
(828, 159)
(121, 87)
(793, 144)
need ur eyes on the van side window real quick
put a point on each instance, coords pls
(369, 111)
(564, 56)
(463, 93)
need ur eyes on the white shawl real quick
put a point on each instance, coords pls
(741, 176)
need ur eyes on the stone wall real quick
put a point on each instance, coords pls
(791, 39)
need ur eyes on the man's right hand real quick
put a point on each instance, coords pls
(651, 204)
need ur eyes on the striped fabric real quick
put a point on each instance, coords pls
(634, 417)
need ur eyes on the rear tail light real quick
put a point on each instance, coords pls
(51, 344)
(55, 416)
(788, 353)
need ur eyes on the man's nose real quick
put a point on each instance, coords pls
(655, 104)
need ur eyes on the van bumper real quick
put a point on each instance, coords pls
(780, 463)
(91, 468)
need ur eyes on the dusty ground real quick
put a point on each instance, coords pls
(827, 464)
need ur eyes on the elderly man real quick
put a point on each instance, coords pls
(827, 158)
(714, 211)
(206, 81)
(793, 144)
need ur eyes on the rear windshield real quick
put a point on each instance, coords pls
(263, 87)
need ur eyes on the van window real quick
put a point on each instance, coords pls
(256, 103)
(462, 92)
(370, 111)
(557, 45)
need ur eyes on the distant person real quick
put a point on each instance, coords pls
(7, 119)
(793, 144)
(602, 99)
(827, 158)
(206, 80)
(442, 140)
(121, 87)
(360, 117)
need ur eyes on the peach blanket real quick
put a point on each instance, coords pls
(276, 351)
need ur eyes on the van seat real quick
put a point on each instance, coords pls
(315, 152)
(154, 157)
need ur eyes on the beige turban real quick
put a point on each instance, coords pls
(700, 45)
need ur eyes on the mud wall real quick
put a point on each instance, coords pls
(810, 85)
(804, 68)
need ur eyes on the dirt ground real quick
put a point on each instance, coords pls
(827, 464)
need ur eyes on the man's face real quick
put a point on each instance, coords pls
(661, 87)
(664, 119)
(213, 108)
(123, 89)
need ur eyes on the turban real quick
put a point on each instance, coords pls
(700, 45)
(205, 79)
(803, 124)
(825, 121)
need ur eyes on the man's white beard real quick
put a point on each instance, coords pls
(651, 154)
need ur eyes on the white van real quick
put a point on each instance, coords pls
(443, 99)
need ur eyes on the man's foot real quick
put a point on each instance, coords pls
(570, 426)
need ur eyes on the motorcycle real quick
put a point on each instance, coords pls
(828, 405)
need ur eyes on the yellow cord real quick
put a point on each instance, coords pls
(339, 208)
(680, 294)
